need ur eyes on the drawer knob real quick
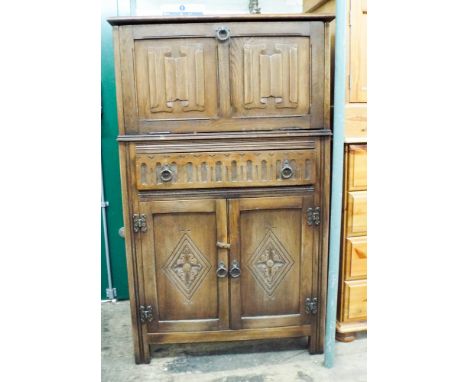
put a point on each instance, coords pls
(223, 33)
(235, 269)
(166, 174)
(286, 171)
(222, 270)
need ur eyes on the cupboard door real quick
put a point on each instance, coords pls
(270, 76)
(174, 78)
(358, 51)
(180, 258)
(275, 72)
(277, 257)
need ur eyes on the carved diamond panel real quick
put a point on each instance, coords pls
(186, 267)
(270, 263)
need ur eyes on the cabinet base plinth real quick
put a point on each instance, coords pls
(346, 332)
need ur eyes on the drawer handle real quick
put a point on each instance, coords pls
(286, 171)
(223, 33)
(222, 270)
(235, 271)
(166, 174)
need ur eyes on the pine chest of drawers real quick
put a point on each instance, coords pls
(224, 151)
(352, 299)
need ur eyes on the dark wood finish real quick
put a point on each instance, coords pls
(132, 20)
(224, 169)
(274, 249)
(269, 76)
(180, 258)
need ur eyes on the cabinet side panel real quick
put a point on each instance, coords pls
(140, 349)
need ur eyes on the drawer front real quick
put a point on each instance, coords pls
(357, 167)
(356, 258)
(225, 169)
(357, 213)
(356, 300)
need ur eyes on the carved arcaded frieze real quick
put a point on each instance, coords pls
(225, 169)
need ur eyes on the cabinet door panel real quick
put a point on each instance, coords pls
(270, 76)
(275, 248)
(358, 51)
(180, 258)
(174, 78)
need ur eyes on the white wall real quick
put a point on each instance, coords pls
(153, 7)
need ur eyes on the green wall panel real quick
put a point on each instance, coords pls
(110, 161)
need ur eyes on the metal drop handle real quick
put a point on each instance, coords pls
(223, 33)
(222, 270)
(235, 270)
(286, 171)
(166, 174)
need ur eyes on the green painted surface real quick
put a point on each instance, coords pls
(110, 161)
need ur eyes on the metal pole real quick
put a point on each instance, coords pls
(336, 181)
(111, 292)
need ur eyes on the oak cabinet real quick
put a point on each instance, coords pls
(225, 158)
(189, 271)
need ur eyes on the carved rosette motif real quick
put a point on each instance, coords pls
(186, 267)
(270, 263)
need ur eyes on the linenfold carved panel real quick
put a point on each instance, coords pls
(225, 169)
(186, 267)
(174, 79)
(270, 76)
(270, 73)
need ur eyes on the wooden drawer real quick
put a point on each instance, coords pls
(356, 258)
(356, 213)
(355, 300)
(357, 167)
(225, 169)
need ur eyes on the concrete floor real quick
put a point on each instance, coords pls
(250, 361)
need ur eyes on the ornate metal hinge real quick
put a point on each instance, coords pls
(146, 313)
(313, 216)
(311, 305)
(139, 223)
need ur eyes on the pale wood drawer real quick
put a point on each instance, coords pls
(356, 258)
(356, 214)
(357, 167)
(225, 169)
(355, 306)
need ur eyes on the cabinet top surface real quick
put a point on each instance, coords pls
(131, 20)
